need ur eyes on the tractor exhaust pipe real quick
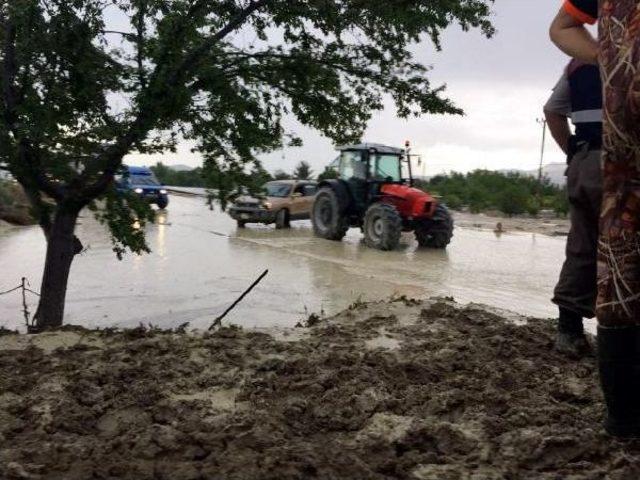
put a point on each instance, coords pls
(407, 149)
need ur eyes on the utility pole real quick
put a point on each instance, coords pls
(543, 122)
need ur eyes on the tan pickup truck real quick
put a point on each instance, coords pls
(283, 201)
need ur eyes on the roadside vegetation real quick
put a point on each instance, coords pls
(14, 205)
(178, 178)
(302, 171)
(328, 173)
(510, 193)
(196, 177)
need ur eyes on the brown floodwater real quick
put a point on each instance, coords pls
(200, 262)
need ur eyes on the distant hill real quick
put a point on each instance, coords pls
(179, 168)
(553, 171)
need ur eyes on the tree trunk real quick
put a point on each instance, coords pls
(61, 248)
(619, 246)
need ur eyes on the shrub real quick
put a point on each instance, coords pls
(453, 201)
(560, 203)
(7, 198)
(513, 200)
(533, 207)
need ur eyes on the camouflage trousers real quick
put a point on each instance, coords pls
(618, 301)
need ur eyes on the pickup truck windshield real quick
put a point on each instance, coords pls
(279, 190)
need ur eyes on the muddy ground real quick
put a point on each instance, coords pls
(390, 390)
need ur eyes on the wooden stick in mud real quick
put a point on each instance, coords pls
(25, 310)
(218, 320)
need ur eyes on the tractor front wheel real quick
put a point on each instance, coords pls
(382, 226)
(436, 232)
(327, 217)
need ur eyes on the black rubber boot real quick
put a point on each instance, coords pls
(619, 364)
(570, 338)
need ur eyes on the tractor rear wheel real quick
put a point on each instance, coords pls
(326, 216)
(436, 232)
(382, 226)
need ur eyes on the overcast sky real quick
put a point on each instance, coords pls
(501, 84)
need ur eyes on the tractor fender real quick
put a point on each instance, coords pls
(341, 190)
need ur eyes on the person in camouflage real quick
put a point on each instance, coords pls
(618, 304)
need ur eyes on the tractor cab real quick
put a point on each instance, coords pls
(366, 167)
(374, 191)
(373, 162)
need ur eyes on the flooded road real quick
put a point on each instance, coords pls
(200, 262)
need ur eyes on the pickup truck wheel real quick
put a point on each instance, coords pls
(282, 219)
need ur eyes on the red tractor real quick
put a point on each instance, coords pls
(375, 192)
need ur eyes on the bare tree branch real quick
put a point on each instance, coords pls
(127, 35)
(140, 41)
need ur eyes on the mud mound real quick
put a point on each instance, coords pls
(383, 391)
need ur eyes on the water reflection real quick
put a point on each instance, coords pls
(162, 222)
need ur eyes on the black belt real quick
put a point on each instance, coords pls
(576, 144)
(594, 143)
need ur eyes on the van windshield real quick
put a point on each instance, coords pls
(279, 190)
(144, 179)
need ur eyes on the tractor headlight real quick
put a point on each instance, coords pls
(138, 190)
(163, 191)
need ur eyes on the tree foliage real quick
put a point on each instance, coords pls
(328, 173)
(281, 175)
(302, 171)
